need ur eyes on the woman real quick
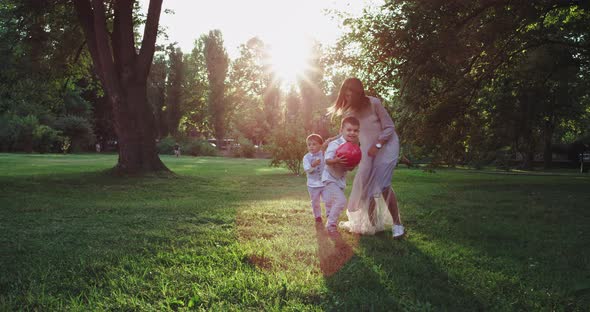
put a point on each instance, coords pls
(372, 202)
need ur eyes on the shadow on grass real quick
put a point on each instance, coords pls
(92, 235)
(536, 233)
(384, 275)
(518, 242)
(333, 251)
(480, 243)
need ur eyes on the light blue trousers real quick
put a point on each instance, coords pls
(315, 193)
(335, 203)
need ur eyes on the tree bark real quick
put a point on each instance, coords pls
(123, 74)
(527, 133)
(135, 126)
(547, 136)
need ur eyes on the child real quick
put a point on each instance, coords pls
(334, 175)
(176, 150)
(313, 164)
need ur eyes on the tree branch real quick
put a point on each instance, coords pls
(477, 12)
(105, 52)
(86, 16)
(150, 34)
(123, 39)
(74, 61)
(567, 44)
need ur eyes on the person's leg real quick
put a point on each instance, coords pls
(337, 201)
(314, 195)
(323, 199)
(372, 204)
(328, 200)
(391, 200)
(397, 229)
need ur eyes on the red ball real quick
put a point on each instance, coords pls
(351, 152)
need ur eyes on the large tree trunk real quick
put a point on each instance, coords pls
(528, 154)
(547, 152)
(527, 160)
(135, 126)
(123, 73)
(526, 131)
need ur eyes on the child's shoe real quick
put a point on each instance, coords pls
(398, 231)
(318, 219)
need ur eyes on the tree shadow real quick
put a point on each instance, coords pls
(525, 232)
(71, 234)
(417, 279)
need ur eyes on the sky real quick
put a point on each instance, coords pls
(240, 20)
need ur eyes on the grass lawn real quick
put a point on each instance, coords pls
(235, 234)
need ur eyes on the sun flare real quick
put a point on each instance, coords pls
(289, 60)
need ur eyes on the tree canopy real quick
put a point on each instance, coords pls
(465, 81)
(464, 77)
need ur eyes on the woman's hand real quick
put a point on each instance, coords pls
(372, 151)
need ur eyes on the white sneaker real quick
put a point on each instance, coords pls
(398, 231)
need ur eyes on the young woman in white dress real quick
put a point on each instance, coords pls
(372, 202)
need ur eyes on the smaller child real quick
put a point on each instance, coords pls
(176, 150)
(313, 164)
(334, 175)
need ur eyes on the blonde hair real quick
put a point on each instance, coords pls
(315, 137)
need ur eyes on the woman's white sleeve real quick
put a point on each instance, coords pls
(387, 126)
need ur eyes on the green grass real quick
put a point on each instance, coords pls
(235, 234)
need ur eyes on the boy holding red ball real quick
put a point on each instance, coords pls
(334, 175)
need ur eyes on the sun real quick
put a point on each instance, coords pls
(289, 59)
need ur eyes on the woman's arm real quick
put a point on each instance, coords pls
(387, 126)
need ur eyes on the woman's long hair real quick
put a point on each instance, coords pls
(359, 99)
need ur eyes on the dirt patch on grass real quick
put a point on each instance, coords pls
(260, 262)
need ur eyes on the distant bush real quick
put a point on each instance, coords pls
(187, 147)
(24, 133)
(76, 105)
(78, 129)
(9, 131)
(166, 145)
(480, 159)
(27, 127)
(245, 149)
(288, 147)
(499, 158)
(46, 139)
(199, 148)
(502, 159)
